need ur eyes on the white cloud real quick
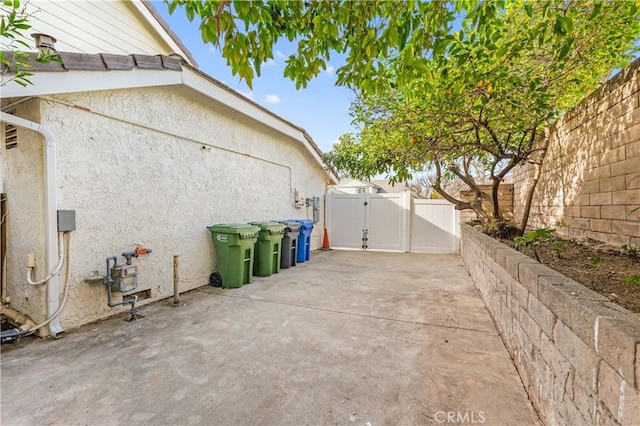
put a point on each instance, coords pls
(280, 55)
(269, 62)
(273, 99)
(330, 69)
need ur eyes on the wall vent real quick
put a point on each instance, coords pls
(142, 294)
(10, 136)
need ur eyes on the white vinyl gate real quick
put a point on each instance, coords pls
(434, 227)
(391, 222)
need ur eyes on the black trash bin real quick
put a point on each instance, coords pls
(290, 244)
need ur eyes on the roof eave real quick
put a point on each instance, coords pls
(150, 13)
(57, 78)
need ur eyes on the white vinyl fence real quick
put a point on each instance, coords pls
(392, 222)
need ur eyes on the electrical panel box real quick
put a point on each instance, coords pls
(298, 200)
(315, 202)
(125, 278)
(66, 220)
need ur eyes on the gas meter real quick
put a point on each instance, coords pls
(125, 278)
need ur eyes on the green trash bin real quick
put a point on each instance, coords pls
(235, 243)
(267, 251)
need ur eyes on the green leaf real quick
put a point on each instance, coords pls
(597, 7)
(566, 48)
(190, 13)
(563, 25)
(501, 52)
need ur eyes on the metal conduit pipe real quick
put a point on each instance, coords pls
(50, 204)
(24, 322)
(25, 325)
(18, 102)
(202, 143)
(5, 294)
(176, 280)
(56, 270)
(29, 327)
(108, 280)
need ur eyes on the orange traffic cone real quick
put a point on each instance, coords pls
(325, 241)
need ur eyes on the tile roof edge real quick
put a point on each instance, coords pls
(154, 12)
(96, 62)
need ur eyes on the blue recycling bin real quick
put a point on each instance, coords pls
(304, 239)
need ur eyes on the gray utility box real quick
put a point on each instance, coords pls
(66, 220)
(316, 209)
(289, 251)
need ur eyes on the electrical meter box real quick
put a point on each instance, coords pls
(125, 278)
(298, 199)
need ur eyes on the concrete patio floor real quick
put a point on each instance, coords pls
(347, 338)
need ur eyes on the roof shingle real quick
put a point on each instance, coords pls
(97, 62)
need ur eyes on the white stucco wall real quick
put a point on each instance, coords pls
(23, 183)
(160, 189)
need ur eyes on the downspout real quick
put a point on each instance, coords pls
(50, 208)
(4, 297)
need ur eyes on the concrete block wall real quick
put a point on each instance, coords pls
(505, 199)
(591, 174)
(578, 354)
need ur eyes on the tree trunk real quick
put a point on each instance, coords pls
(532, 189)
(495, 187)
(527, 204)
(475, 205)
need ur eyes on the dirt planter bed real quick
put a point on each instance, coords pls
(574, 258)
(578, 353)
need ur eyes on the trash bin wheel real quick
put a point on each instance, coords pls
(215, 280)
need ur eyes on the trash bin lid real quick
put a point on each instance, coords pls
(304, 223)
(242, 229)
(292, 225)
(271, 227)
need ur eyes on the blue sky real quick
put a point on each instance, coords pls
(322, 108)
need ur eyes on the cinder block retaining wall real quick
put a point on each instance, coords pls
(578, 354)
(591, 175)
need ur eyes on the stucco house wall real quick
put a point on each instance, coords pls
(22, 169)
(151, 167)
